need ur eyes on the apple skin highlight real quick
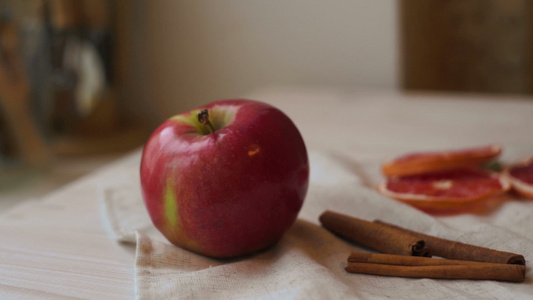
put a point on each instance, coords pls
(229, 192)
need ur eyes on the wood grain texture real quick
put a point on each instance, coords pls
(59, 247)
(474, 46)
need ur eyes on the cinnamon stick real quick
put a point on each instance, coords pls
(403, 260)
(460, 251)
(373, 235)
(485, 271)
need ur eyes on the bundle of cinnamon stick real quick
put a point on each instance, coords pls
(408, 253)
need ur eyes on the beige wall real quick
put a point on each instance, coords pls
(185, 53)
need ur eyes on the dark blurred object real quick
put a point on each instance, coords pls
(473, 46)
(68, 90)
(19, 137)
(81, 62)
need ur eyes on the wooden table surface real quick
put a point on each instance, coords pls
(59, 246)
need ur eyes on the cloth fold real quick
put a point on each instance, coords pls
(308, 262)
(125, 212)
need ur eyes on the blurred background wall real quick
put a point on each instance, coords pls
(189, 52)
(97, 76)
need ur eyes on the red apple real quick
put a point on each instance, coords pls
(226, 179)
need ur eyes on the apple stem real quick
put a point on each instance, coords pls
(203, 118)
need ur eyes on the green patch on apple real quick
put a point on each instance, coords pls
(171, 207)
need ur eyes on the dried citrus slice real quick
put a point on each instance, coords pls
(521, 177)
(422, 162)
(447, 191)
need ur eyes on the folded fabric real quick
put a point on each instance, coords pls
(308, 262)
(125, 211)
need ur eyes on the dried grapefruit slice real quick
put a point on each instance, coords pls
(447, 191)
(521, 177)
(422, 162)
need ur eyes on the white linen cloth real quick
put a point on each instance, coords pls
(308, 262)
